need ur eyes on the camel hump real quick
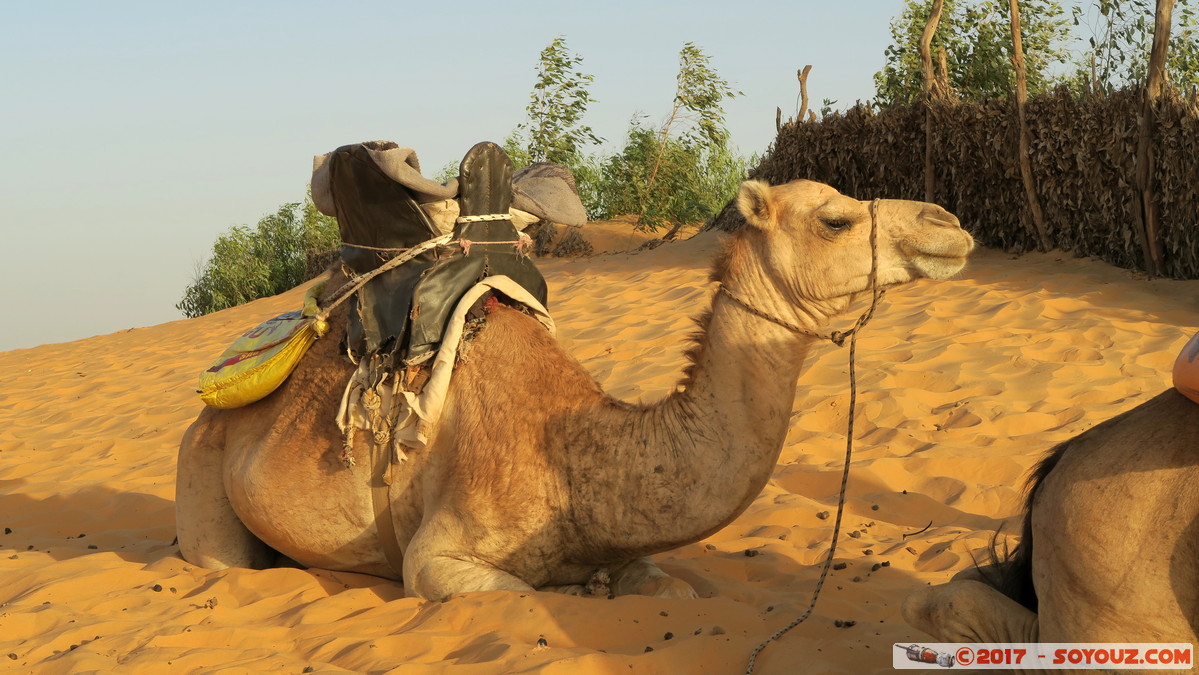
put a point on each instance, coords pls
(1186, 369)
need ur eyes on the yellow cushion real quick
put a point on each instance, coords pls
(262, 358)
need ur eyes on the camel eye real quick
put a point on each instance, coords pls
(836, 224)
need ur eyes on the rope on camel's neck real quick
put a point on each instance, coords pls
(876, 293)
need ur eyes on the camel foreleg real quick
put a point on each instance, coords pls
(210, 533)
(969, 611)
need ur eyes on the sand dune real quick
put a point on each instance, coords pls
(963, 385)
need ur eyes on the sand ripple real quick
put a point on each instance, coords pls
(964, 384)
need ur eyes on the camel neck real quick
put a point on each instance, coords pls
(696, 460)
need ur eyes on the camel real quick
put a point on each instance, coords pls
(1110, 544)
(534, 478)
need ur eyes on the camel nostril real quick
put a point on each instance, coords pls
(938, 216)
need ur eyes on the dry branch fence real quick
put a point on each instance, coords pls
(1082, 157)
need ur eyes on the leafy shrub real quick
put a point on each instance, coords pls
(692, 181)
(247, 264)
(683, 172)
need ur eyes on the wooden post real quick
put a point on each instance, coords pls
(943, 72)
(1154, 86)
(926, 62)
(1030, 191)
(803, 91)
(926, 42)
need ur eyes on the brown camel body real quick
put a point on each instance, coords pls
(534, 477)
(1110, 551)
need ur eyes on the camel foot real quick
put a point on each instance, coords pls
(969, 611)
(643, 577)
(568, 589)
(439, 576)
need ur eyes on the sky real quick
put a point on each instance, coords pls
(134, 133)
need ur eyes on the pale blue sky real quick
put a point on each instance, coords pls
(134, 133)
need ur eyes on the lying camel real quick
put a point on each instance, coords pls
(1110, 547)
(535, 478)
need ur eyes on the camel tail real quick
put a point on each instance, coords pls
(1011, 573)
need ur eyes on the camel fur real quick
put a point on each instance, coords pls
(534, 477)
(1110, 549)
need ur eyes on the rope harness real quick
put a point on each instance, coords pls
(838, 339)
(358, 282)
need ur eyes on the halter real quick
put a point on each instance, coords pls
(836, 337)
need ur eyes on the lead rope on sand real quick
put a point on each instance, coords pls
(876, 293)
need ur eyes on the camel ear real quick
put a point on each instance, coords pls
(755, 203)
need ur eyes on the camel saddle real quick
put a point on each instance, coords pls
(383, 206)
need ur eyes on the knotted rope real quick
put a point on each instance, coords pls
(406, 254)
(876, 294)
(522, 244)
(358, 282)
(486, 216)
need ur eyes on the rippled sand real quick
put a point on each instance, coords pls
(962, 386)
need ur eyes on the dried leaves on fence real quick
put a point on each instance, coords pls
(1083, 157)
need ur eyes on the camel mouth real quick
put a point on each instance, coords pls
(940, 258)
(948, 257)
(937, 264)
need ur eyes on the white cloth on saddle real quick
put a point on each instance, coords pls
(417, 415)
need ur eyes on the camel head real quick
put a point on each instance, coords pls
(812, 245)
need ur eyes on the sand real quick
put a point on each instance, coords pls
(964, 384)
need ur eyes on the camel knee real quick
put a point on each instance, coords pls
(968, 611)
(947, 612)
(211, 536)
(919, 609)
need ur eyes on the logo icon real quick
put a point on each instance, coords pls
(926, 655)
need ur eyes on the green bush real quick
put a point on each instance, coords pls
(693, 180)
(683, 172)
(976, 36)
(247, 264)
